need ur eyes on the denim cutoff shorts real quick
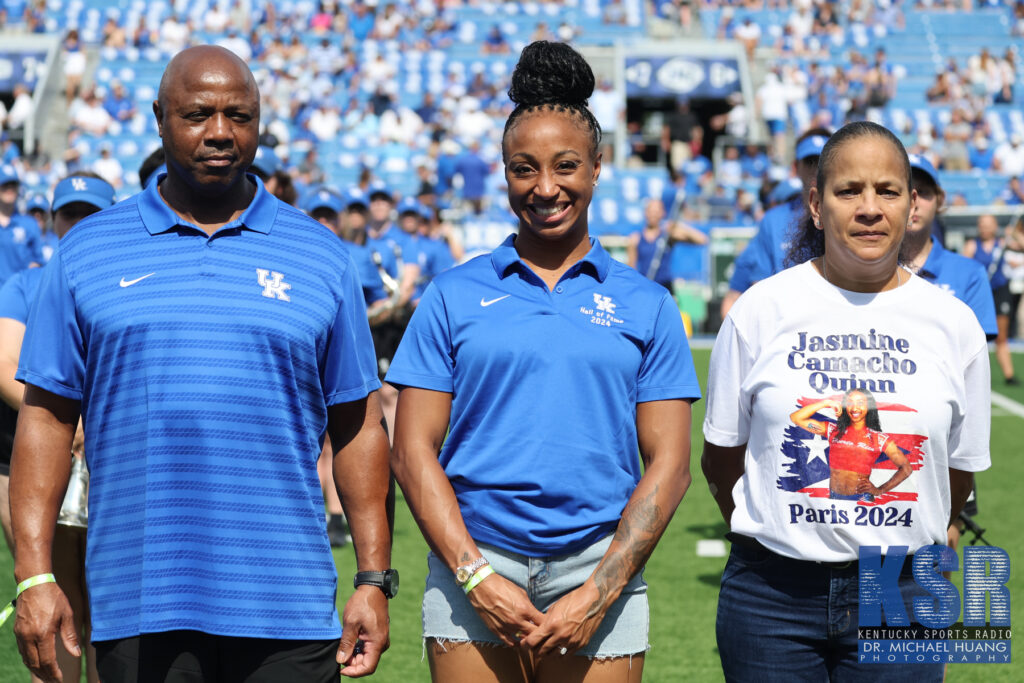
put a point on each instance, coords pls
(448, 614)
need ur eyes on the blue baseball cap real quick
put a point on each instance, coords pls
(266, 160)
(324, 198)
(94, 191)
(922, 164)
(410, 205)
(8, 174)
(37, 202)
(810, 147)
(356, 197)
(785, 190)
(379, 189)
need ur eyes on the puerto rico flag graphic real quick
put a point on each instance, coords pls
(805, 455)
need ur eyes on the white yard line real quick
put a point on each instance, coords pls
(1008, 404)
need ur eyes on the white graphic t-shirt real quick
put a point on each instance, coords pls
(917, 362)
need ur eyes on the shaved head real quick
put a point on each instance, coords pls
(197, 62)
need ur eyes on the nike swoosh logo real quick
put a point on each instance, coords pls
(484, 302)
(129, 283)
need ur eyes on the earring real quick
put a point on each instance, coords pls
(595, 183)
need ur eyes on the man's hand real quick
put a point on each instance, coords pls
(42, 612)
(364, 632)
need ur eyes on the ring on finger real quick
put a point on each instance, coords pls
(563, 650)
(519, 635)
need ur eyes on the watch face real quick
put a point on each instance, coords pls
(391, 583)
(462, 575)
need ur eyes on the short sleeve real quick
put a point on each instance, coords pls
(969, 433)
(425, 357)
(13, 301)
(349, 368)
(727, 413)
(53, 352)
(666, 370)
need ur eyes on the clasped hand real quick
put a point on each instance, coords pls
(569, 623)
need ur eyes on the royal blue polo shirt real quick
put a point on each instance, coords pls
(765, 255)
(20, 245)
(964, 278)
(542, 449)
(205, 365)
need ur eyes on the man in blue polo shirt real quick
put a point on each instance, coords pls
(210, 336)
(765, 254)
(964, 278)
(20, 239)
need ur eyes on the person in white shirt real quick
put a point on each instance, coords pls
(848, 332)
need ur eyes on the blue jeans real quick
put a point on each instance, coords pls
(781, 619)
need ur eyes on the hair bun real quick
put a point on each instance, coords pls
(551, 73)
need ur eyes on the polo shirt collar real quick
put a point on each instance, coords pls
(158, 217)
(597, 259)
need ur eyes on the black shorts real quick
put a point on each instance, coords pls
(1003, 299)
(8, 421)
(195, 657)
(386, 338)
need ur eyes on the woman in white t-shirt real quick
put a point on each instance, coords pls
(846, 317)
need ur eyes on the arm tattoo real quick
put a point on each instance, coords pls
(639, 529)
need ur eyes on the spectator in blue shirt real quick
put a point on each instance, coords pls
(119, 103)
(962, 277)
(765, 254)
(20, 242)
(206, 271)
(474, 171)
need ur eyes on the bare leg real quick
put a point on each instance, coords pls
(5, 511)
(326, 473)
(1003, 346)
(476, 662)
(388, 403)
(573, 669)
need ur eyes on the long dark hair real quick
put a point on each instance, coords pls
(871, 419)
(555, 77)
(808, 241)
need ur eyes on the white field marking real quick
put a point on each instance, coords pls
(710, 547)
(1007, 404)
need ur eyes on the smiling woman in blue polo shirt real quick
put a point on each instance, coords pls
(548, 365)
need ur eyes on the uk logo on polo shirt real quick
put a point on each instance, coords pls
(273, 284)
(19, 234)
(603, 312)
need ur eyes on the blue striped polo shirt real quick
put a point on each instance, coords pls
(542, 450)
(205, 365)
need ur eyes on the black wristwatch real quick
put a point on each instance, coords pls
(386, 580)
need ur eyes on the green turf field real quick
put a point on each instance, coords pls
(683, 587)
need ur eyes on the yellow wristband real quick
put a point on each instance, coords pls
(34, 581)
(7, 611)
(477, 577)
